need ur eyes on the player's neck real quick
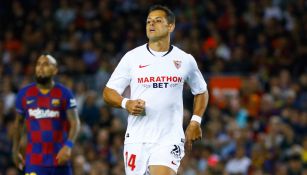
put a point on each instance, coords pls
(46, 86)
(160, 45)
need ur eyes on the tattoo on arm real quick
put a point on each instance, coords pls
(74, 121)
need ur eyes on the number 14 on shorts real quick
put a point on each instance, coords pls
(130, 160)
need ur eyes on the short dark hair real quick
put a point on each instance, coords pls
(170, 16)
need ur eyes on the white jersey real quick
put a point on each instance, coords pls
(158, 80)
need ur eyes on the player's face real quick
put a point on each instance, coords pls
(157, 26)
(44, 70)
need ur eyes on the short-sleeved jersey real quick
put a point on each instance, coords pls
(46, 123)
(159, 81)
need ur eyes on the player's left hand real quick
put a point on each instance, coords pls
(136, 107)
(64, 155)
(192, 134)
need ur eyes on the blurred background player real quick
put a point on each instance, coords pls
(156, 73)
(48, 112)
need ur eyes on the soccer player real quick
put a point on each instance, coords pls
(156, 73)
(48, 112)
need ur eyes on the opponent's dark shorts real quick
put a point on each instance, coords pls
(39, 170)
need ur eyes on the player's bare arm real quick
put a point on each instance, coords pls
(193, 131)
(134, 107)
(18, 133)
(73, 118)
(74, 121)
(111, 97)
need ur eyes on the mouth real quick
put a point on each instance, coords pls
(43, 79)
(40, 75)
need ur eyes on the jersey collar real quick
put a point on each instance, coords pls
(169, 50)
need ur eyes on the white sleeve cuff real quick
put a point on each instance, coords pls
(196, 118)
(124, 101)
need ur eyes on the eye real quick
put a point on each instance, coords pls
(44, 64)
(158, 20)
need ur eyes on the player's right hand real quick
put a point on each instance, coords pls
(18, 159)
(135, 107)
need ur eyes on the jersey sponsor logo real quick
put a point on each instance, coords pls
(55, 102)
(43, 113)
(173, 163)
(176, 151)
(73, 102)
(177, 64)
(142, 66)
(158, 79)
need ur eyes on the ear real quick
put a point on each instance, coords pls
(171, 27)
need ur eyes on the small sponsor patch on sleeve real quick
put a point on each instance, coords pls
(72, 102)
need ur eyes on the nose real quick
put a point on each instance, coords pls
(151, 22)
(39, 69)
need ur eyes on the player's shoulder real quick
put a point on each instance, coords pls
(137, 51)
(141, 48)
(177, 51)
(27, 87)
(133, 54)
(62, 87)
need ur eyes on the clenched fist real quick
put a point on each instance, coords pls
(136, 107)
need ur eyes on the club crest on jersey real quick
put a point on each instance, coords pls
(55, 102)
(177, 64)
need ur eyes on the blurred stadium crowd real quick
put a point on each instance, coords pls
(263, 130)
